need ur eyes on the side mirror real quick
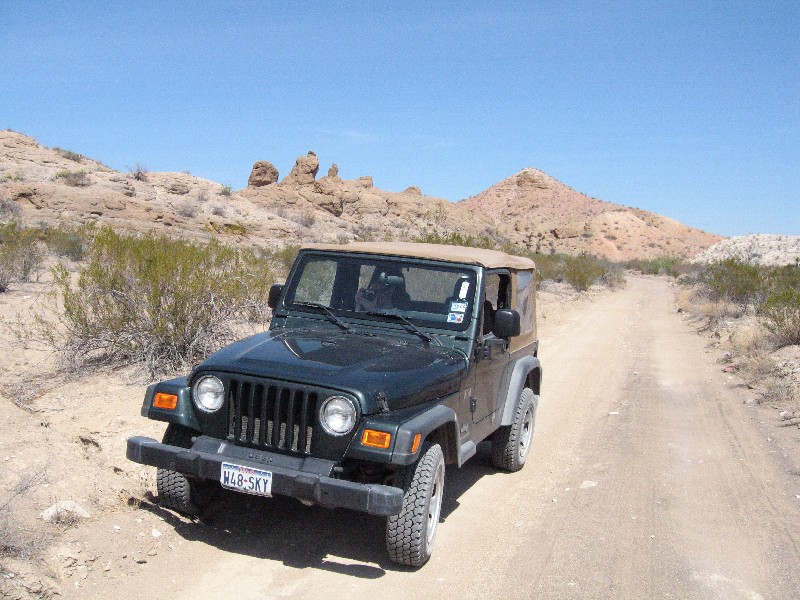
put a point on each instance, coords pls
(506, 323)
(274, 295)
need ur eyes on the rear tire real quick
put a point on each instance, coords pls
(410, 535)
(185, 494)
(511, 444)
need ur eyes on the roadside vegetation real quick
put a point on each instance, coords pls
(581, 272)
(755, 313)
(155, 301)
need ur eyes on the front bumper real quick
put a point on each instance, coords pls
(307, 479)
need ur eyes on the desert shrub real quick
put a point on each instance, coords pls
(11, 177)
(15, 540)
(455, 238)
(155, 301)
(284, 257)
(581, 272)
(77, 178)
(218, 210)
(8, 208)
(365, 233)
(551, 266)
(781, 313)
(67, 242)
(613, 278)
(734, 281)
(70, 155)
(202, 196)
(187, 209)
(660, 265)
(139, 172)
(20, 255)
(226, 190)
(307, 219)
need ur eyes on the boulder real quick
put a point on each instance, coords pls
(263, 173)
(178, 188)
(413, 190)
(365, 181)
(333, 171)
(529, 179)
(304, 171)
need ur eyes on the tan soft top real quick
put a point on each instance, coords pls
(491, 259)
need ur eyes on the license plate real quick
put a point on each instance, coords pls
(246, 479)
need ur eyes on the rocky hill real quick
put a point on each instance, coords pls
(543, 214)
(530, 209)
(756, 249)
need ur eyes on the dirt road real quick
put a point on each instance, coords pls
(648, 479)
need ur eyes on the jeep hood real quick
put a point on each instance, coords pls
(404, 372)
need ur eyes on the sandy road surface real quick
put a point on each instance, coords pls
(648, 479)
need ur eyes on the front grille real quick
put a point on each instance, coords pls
(268, 415)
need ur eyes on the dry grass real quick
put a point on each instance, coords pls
(16, 540)
(694, 301)
(752, 347)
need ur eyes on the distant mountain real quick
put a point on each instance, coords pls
(529, 209)
(539, 212)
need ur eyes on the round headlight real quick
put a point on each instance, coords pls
(209, 393)
(338, 415)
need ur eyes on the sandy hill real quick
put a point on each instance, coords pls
(541, 213)
(757, 249)
(531, 209)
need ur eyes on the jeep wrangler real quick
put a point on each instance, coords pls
(383, 363)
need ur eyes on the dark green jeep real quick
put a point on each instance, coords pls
(383, 363)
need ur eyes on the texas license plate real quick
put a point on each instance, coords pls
(246, 479)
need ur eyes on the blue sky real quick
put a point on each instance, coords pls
(687, 109)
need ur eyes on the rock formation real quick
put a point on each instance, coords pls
(304, 171)
(263, 173)
(333, 171)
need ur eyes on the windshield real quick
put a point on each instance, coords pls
(359, 286)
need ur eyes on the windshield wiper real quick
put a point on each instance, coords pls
(413, 328)
(327, 311)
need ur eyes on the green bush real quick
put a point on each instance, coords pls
(77, 178)
(581, 272)
(20, 255)
(781, 313)
(455, 238)
(156, 301)
(660, 265)
(66, 242)
(284, 257)
(70, 155)
(735, 281)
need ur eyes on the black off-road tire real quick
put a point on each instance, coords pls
(177, 491)
(511, 444)
(410, 535)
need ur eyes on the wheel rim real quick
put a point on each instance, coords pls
(435, 504)
(526, 433)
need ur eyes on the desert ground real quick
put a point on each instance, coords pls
(653, 474)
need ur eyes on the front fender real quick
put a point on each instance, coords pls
(517, 380)
(182, 414)
(403, 426)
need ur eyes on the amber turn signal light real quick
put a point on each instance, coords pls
(376, 439)
(167, 401)
(415, 443)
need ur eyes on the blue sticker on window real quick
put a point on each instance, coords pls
(455, 317)
(458, 307)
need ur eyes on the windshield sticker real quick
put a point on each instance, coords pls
(458, 307)
(462, 295)
(455, 317)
